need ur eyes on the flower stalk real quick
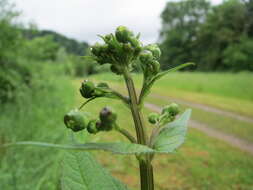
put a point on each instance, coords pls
(145, 166)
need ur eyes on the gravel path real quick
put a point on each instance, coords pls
(232, 140)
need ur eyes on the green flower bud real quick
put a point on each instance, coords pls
(75, 120)
(96, 49)
(155, 67)
(123, 35)
(87, 89)
(154, 49)
(128, 48)
(135, 43)
(172, 109)
(108, 118)
(93, 126)
(153, 118)
(146, 57)
(101, 53)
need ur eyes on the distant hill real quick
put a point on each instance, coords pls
(71, 45)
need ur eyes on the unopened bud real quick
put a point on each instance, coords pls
(155, 67)
(172, 109)
(75, 120)
(153, 118)
(87, 89)
(154, 49)
(108, 118)
(93, 126)
(96, 49)
(123, 34)
(146, 56)
(128, 48)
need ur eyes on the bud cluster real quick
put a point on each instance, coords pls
(77, 121)
(168, 114)
(106, 121)
(118, 50)
(149, 60)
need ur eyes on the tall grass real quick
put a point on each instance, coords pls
(36, 115)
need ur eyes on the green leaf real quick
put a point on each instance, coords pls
(117, 148)
(82, 172)
(173, 134)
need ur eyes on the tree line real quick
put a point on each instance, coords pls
(71, 46)
(216, 38)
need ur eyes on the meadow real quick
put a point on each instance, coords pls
(228, 91)
(203, 162)
(219, 91)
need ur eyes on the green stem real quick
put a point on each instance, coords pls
(146, 169)
(137, 117)
(126, 134)
(86, 102)
(120, 96)
(146, 173)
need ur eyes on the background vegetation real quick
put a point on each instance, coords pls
(38, 84)
(218, 38)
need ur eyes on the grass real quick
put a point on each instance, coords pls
(241, 129)
(37, 116)
(228, 91)
(225, 124)
(201, 163)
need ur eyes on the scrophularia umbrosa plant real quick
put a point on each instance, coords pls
(124, 51)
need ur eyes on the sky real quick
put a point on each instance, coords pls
(85, 19)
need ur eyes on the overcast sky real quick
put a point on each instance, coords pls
(84, 19)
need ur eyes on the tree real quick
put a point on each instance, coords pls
(216, 38)
(41, 49)
(180, 24)
(249, 15)
(238, 56)
(223, 27)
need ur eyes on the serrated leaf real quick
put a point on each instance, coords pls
(82, 172)
(173, 134)
(117, 148)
